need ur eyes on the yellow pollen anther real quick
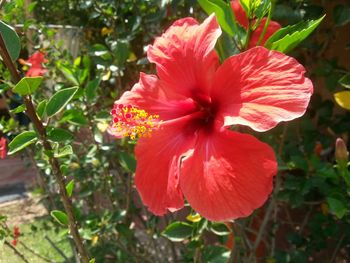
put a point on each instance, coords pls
(129, 121)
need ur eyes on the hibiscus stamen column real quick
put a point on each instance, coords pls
(41, 130)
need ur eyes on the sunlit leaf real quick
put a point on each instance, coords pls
(59, 100)
(70, 188)
(21, 141)
(343, 99)
(178, 231)
(60, 217)
(289, 37)
(27, 85)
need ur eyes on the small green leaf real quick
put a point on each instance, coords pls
(40, 109)
(61, 152)
(223, 12)
(345, 81)
(337, 207)
(68, 73)
(27, 85)
(60, 217)
(246, 4)
(4, 87)
(127, 161)
(74, 116)
(121, 51)
(21, 141)
(220, 229)
(60, 135)
(69, 188)
(19, 109)
(11, 40)
(91, 88)
(178, 231)
(216, 254)
(59, 100)
(287, 38)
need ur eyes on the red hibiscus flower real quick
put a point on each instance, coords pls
(191, 152)
(242, 19)
(3, 148)
(35, 62)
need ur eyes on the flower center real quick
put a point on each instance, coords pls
(129, 121)
(208, 108)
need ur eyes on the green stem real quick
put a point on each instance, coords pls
(265, 26)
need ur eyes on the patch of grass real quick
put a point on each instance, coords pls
(33, 236)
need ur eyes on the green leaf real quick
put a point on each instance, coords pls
(11, 40)
(216, 254)
(345, 81)
(59, 100)
(220, 229)
(121, 51)
(246, 4)
(60, 135)
(223, 12)
(4, 87)
(69, 188)
(27, 85)
(287, 38)
(68, 73)
(91, 88)
(127, 161)
(21, 141)
(178, 231)
(337, 207)
(40, 109)
(61, 152)
(74, 116)
(341, 15)
(60, 217)
(19, 109)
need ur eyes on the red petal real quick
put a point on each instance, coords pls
(271, 29)
(228, 176)
(239, 13)
(158, 162)
(185, 55)
(36, 71)
(260, 88)
(149, 94)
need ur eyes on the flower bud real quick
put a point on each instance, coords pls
(341, 152)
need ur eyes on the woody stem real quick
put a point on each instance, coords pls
(41, 131)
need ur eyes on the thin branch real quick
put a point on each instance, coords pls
(15, 250)
(59, 251)
(36, 253)
(31, 113)
(337, 249)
